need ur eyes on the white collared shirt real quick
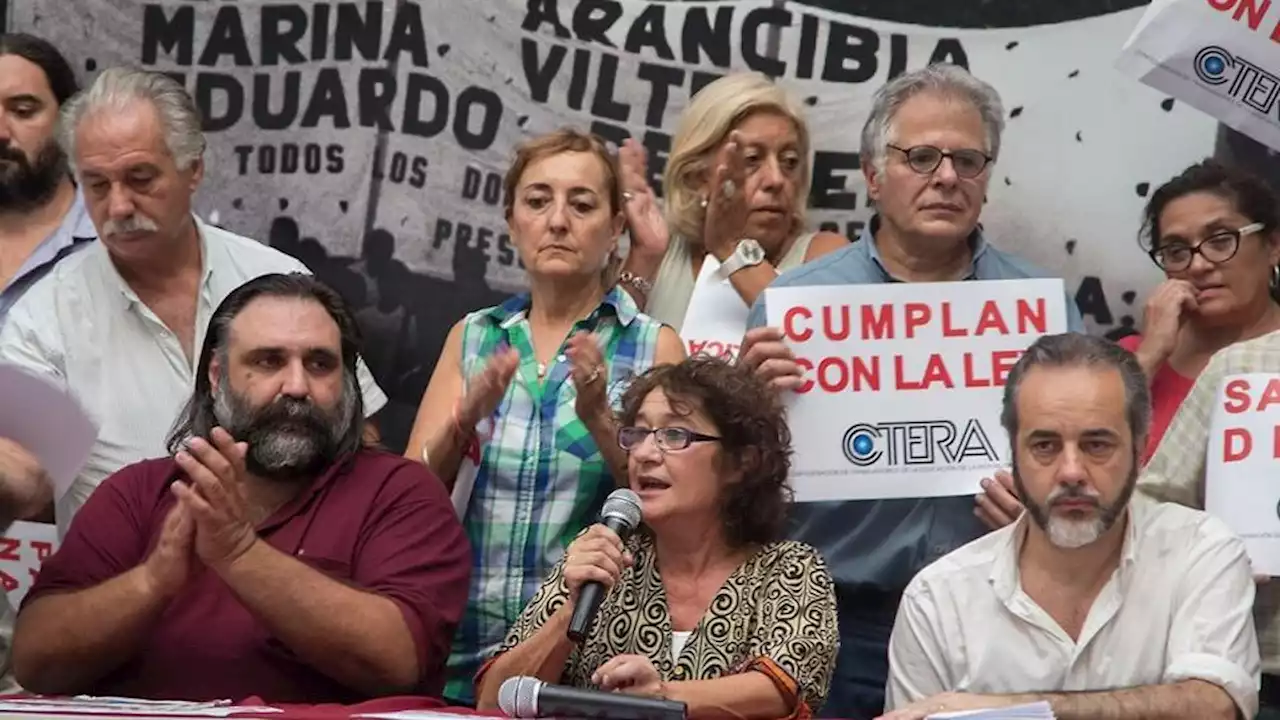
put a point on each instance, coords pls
(85, 327)
(1178, 607)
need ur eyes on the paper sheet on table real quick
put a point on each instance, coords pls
(48, 422)
(90, 705)
(414, 715)
(1030, 711)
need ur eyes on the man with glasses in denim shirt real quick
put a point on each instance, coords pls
(927, 147)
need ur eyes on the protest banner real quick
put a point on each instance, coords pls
(369, 139)
(1240, 470)
(902, 382)
(1221, 56)
(717, 316)
(23, 548)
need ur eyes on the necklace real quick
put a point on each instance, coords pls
(542, 370)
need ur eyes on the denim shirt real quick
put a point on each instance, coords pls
(75, 232)
(874, 547)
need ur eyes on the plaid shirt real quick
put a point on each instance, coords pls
(1176, 472)
(541, 478)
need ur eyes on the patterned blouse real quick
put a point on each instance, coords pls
(775, 614)
(540, 479)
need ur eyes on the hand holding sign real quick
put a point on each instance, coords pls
(649, 234)
(998, 504)
(25, 488)
(765, 354)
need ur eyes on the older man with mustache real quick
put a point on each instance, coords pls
(273, 553)
(118, 324)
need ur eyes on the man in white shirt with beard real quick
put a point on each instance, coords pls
(1103, 607)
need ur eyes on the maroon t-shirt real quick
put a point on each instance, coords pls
(377, 521)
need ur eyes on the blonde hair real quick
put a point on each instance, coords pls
(712, 114)
(567, 140)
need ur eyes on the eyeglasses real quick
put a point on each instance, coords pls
(668, 438)
(1217, 248)
(925, 159)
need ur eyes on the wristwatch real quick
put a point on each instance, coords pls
(747, 254)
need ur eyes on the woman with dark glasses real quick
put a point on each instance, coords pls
(707, 605)
(1215, 232)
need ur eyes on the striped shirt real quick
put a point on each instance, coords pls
(1177, 470)
(541, 478)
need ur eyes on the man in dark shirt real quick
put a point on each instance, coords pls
(273, 555)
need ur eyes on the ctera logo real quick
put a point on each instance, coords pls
(926, 442)
(1244, 82)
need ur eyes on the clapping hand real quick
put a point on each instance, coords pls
(590, 376)
(217, 498)
(485, 391)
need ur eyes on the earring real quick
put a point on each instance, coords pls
(1275, 276)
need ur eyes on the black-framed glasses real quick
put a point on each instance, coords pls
(1218, 248)
(668, 438)
(925, 159)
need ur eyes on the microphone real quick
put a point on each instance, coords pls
(527, 697)
(621, 514)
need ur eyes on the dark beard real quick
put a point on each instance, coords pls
(289, 440)
(1109, 515)
(25, 186)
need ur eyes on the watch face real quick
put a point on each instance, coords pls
(751, 251)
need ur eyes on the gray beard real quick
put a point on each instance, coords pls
(290, 449)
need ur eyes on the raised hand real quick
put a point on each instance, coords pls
(648, 228)
(727, 207)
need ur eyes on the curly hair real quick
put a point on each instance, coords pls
(1251, 195)
(754, 435)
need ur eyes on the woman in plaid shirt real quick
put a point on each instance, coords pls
(518, 419)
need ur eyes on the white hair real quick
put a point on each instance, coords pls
(119, 87)
(942, 79)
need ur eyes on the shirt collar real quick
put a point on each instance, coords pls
(112, 274)
(616, 301)
(76, 227)
(977, 244)
(1005, 578)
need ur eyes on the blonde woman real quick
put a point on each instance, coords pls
(735, 188)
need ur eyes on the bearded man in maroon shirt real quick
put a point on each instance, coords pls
(273, 555)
